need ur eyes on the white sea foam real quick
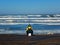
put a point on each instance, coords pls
(29, 23)
(34, 31)
(46, 31)
(25, 19)
(13, 32)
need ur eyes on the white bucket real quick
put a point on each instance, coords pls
(29, 34)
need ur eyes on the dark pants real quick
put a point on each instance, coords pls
(29, 31)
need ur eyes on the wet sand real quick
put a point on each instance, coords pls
(15, 39)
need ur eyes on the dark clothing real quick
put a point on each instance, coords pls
(29, 31)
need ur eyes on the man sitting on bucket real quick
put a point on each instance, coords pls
(29, 30)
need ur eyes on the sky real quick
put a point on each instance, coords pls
(29, 6)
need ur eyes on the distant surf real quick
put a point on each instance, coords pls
(17, 23)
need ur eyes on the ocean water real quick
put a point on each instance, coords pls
(41, 24)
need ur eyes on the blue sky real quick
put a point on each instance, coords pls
(29, 6)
